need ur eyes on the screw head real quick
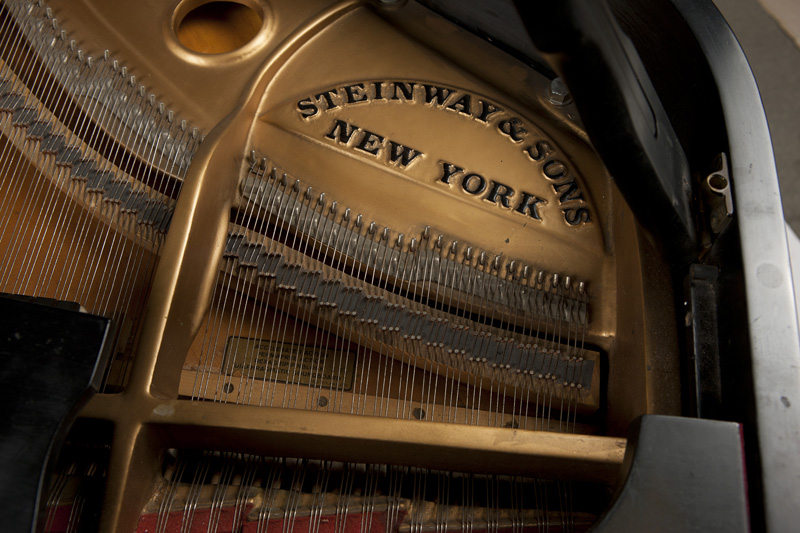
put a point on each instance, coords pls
(558, 93)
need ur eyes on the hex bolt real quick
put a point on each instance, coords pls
(558, 93)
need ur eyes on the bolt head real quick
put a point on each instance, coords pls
(558, 93)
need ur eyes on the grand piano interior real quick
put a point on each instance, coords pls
(390, 265)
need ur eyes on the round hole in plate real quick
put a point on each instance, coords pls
(218, 27)
(717, 182)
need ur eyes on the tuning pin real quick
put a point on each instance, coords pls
(555, 280)
(400, 240)
(371, 229)
(426, 233)
(567, 282)
(359, 221)
(346, 215)
(453, 247)
(412, 247)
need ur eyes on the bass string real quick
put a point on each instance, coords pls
(19, 88)
(334, 283)
(59, 237)
(55, 200)
(295, 337)
(134, 298)
(209, 349)
(365, 339)
(34, 192)
(359, 332)
(269, 294)
(255, 212)
(95, 234)
(95, 210)
(321, 341)
(13, 44)
(99, 276)
(502, 286)
(347, 331)
(245, 273)
(271, 297)
(132, 273)
(118, 242)
(209, 346)
(281, 316)
(407, 255)
(328, 253)
(306, 260)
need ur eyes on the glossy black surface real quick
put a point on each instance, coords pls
(51, 360)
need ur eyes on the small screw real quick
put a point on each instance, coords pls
(418, 413)
(227, 388)
(557, 93)
(322, 401)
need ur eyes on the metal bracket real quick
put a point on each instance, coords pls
(717, 196)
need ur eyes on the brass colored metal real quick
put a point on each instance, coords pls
(339, 437)
(337, 98)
